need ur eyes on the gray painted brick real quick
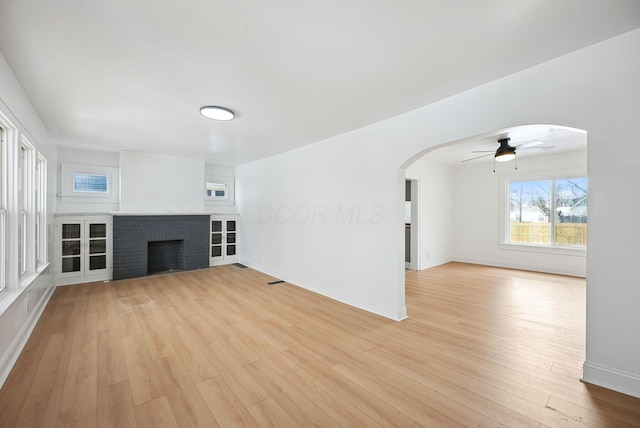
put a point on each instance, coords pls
(132, 233)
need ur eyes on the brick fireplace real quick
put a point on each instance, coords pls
(149, 244)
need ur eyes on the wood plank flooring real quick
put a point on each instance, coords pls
(483, 347)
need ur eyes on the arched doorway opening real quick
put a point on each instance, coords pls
(465, 210)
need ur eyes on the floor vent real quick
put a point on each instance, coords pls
(240, 265)
(275, 282)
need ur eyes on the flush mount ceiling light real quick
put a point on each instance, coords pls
(217, 113)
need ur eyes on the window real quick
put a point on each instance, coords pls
(219, 190)
(41, 211)
(216, 190)
(90, 183)
(22, 223)
(23, 219)
(25, 200)
(3, 207)
(548, 212)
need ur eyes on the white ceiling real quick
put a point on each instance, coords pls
(132, 74)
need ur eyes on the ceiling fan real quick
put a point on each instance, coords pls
(506, 152)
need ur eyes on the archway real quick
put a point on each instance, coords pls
(464, 211)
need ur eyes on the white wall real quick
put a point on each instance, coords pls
(306, 219)
(435, 212)
(595, 89)
(153, 183)
(20, 306)
(477, 213)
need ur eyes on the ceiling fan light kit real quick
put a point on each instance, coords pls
(505, 157)
(505, 152)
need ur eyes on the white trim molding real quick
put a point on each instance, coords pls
(8, 360)
(607, 377)
(434, 262)
(521, 266)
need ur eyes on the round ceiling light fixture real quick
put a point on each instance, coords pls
(217, 113)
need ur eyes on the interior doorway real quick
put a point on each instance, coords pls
(464, 210)
(411, 223)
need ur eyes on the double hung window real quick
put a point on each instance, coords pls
(3, 209)
(41, 211)
(23, 210)
(26, 190)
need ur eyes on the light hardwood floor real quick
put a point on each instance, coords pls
(219, 347)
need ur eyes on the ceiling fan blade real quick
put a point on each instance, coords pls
(528, 144)
(483, 151)
(477, 157)
(537, 149)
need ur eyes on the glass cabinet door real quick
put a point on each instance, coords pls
(216, 238)
(83, 249)
(97, 246)
(224, 240)
(231, 238)
(71, 247)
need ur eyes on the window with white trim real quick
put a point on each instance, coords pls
(89, 183)
(22, 211)
(216, 190)
(219, 190)
(3, 209)
(26, 198)
(547, 212)
(41, 211)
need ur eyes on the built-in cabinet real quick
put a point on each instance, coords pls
(83, 249)
(224, 239)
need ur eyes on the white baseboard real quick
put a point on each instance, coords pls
(534, 268)
(391, 313)
(606, 377)
(10, 357)
(434, 263)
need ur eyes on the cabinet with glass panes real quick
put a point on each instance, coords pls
(223, 239)
(83, 249)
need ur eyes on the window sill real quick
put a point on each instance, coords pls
(28, 279)
(220, 201)
(544, 249)
(89, 198)
(8, 297)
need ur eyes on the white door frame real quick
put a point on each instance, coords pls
(414, 262)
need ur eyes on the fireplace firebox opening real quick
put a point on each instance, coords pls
(165, 256)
